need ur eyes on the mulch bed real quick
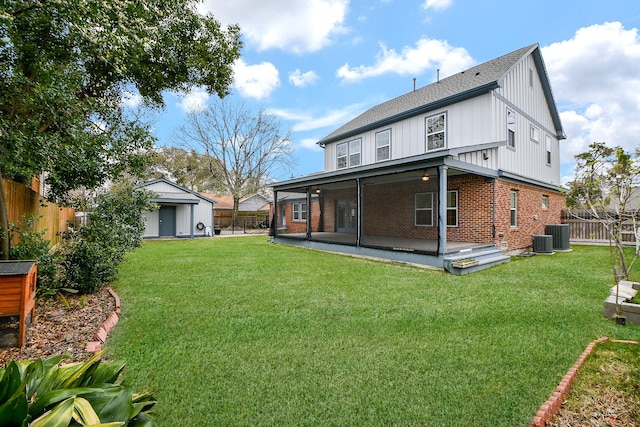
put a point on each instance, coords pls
(60, 326)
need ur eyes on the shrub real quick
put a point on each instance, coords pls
(32, 245)
(44, 393)
(89, 257)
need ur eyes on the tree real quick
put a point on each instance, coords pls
(604, 187)
(187, 168)
(249, 146)
(64, 66)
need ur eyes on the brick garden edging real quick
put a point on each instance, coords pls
(551, 407)
(101, 334)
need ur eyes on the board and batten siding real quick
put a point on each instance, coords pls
(202, 211)
(528, 103)
(468, 123)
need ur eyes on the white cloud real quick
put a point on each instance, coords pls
(131, 99)
(195, 100)
(596, 84)
(426, 54)
(302, 122)
(437, 4)
(310, 144)
(255, 81)
(300, 79)
(290, 25)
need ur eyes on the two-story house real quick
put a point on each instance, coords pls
(466, 167)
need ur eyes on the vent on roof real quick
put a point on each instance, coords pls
(478, 73)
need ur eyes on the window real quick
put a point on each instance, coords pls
(299, 211)
(348, 154)
(547, 143)
(383, 145)
(545, 202)
(514, 208)
(436, 132)
(535, 135)
(425, 208)
(452, 208)
(511, 129)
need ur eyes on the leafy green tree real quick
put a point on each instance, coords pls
(605, 187)
(64, 67)
(188, 168)
(249, 146)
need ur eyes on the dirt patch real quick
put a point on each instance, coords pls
(60, 326)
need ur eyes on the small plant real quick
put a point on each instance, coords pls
(44, 393)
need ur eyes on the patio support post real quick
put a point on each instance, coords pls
(192, 219)
(442, 210)
(308, 213)
(275, 218)
(359, 217)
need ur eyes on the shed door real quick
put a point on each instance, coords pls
(167, 216)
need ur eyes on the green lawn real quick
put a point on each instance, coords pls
(239, 331)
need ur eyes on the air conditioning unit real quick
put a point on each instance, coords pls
(560, 233)
(542, 243)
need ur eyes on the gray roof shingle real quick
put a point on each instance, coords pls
(482, 75)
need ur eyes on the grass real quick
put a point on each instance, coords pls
(239, 331)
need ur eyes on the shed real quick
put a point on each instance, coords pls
(182, 212)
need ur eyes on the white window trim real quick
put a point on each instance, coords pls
(432, 209)
(513, 208)
(299, 212)
(547, 149)
(348, 154)
(387, 131)
(534, 133)
(511, 130)
(545, 202)
(443, 131)
(452, 208)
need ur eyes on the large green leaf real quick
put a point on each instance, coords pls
(60, 416)
(10, 383)
(118, 408)
(83, 413)
(106, 373)
(14, 411)
(56, 396)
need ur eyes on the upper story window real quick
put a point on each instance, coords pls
(348, 154)
(534, 134)
(511, 129)
(383, 145)
(547, 143)
(436, 131)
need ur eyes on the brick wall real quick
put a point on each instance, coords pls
(301, 226)
(531, 217)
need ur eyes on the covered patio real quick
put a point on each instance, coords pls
(397, 212)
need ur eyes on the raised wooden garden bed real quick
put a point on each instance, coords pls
(18, 293)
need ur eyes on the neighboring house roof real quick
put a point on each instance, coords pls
(176, 197)
(223, 201)
(464, 85)
(250, 203)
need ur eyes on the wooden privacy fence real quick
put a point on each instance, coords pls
(52, 218)
(583, 226)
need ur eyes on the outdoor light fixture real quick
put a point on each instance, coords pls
(425, 176)
(317, 191)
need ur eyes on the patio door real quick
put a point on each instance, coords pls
(346, 216)
(167, 216)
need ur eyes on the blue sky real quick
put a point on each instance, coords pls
(316, 64)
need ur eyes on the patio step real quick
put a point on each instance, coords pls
(483, 257)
